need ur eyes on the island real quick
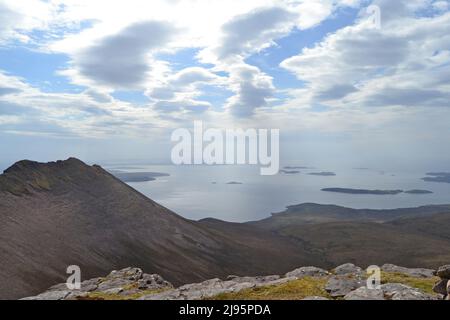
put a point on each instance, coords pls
(137, 176)
(289, 171)
(323, 174)
(234, 182)
(296, 168)
(363, 191)
(418, 191)
(443, 177)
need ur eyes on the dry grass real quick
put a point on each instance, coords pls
(423, 284)
(293, 290)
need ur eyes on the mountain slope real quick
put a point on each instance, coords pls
(68, 213)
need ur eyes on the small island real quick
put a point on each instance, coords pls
(137, 176)
(296, 168)
(289, 171)
(443, 177)
(323, 174)
(418, 191)
(234, 182)
(363, 191)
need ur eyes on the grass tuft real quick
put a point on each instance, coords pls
(423, 284)
(293, 290)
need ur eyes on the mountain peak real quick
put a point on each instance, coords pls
(25, 165)
(26, 176)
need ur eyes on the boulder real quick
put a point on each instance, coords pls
(152, 282)
(390, 289)
(413, 272)
(339, 286)
(259, 280)
(348, 268)
(441, 287)
(447, 296)
(444, 272)
(413, 294)
(131, 274)
(307, 272)
(364, 293)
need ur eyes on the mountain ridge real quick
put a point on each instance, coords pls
(68, 213)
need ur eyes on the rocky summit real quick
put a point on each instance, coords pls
(345, 282)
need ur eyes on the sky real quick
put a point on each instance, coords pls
(349, 82)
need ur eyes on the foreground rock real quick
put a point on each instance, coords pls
(348, 268)
(339, 286)
(443, 285)
(307, 272)
(346, 281)
(122, 284)
(392, 291)
(413, 272)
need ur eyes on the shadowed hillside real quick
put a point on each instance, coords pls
(68, 213)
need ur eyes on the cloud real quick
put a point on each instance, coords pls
(178, 92)
(123, 60)
(253, 31)
(8, 108)
(405, 63)
(245, 34)
(5, 91)
(336, 92)
(252, 89)
(69, 114)
(19, 18)
(98, 96)
(185, 105)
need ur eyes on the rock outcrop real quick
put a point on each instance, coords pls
(413, 272)
(346, 282)
(443, 285)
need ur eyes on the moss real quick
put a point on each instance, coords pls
(292, 290)
(424, 284)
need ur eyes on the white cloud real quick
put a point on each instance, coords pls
(398, 65)
(123, 60)
(227, 32)
(19, 18)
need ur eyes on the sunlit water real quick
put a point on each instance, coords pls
(197, 192)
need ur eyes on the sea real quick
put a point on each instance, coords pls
(239, 193)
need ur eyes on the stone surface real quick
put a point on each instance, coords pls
(51, 295)
(412, 294)
(125, 282)
(441, 287)
(214, 287)
(339, 286)
(307, 272)
(315, 298)
(363, 293)
(413, 272)
(348, 268)
(390, 289)
(444, 272)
